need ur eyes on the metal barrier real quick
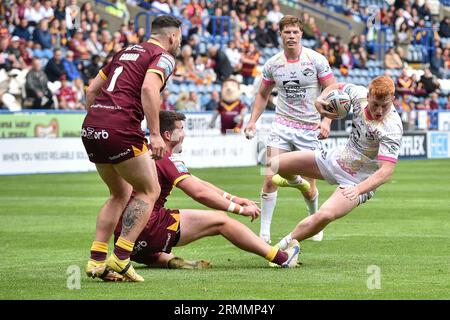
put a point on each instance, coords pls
(426, 42)
(215, 33)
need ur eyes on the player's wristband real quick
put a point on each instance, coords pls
(235, 208)
(228, 196)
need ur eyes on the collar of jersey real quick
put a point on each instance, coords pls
(296, 60)
(156, 42)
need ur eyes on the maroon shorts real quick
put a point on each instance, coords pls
(161, 233)
(112, 145)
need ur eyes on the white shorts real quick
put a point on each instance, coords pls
(293, 136)
(333, 173)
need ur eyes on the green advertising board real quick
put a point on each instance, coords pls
(43, 125)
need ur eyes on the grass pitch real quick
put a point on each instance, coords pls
(48, 221)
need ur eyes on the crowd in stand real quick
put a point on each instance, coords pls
(64, 43)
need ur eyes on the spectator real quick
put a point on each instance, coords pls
(55, 67)
(47, 11)
(79, 47)
(72, 15)
(403, 39)
(42, 36)
(91, 71)
(444, 28)
(94, 47)
(405, 84)
(234, 55)
(272, 33)
(22, 30)
(261, 37)
(71, 67)
(250, 60)
(15, 54)
(347, 57)
(437, 65)
(60, 10)
(165, 104)
(217, 24)
(221, 65)
(67, 97)
(213, 104)
(33, 12)
(275, 15)
(429, 82)
(392, 60)
(36, 87)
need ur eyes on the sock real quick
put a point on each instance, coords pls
(284, 242)
(313, 204)
(268, 202)
(99, 250)
(123, 248)
(277, 256)
(297, 180)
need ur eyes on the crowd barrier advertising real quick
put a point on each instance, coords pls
(43, 155)
(54, 144)
(438, 145)
(444, 121)
(40, 125)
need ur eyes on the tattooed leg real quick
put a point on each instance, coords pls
(134, 219)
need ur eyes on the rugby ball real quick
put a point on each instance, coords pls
(339, 103)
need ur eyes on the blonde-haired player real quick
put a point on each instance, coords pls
(366, 162)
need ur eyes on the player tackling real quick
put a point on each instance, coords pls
(366, 162)
(167, 228)
(298, 73)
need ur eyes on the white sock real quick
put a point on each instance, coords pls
(268, 202)
(313, 205)
(284, 242)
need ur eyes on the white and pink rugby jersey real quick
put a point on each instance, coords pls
(297, 82)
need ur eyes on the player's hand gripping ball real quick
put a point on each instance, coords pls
(339, 103)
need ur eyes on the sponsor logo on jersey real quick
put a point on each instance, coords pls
(129, 57)
(166, 63)
(92, 134)
(308, 72)
(136, 47)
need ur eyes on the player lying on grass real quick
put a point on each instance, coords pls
(167, 228)
(366, 162)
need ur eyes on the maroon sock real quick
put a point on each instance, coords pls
(280, 257)
(121, 253)
(98, 256)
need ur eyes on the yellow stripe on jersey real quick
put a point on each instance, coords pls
(103, 75)
(174, 227)
(158, 72)
(180, 178)
(138, 152)
(156, 42)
